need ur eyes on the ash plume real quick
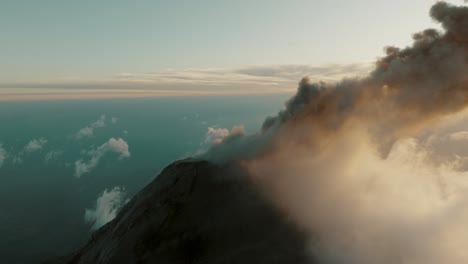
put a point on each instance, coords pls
(346, 162)
(408, 88)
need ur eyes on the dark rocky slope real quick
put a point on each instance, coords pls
(195, 212)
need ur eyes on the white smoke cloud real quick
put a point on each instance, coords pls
(215, 135)
(3, 155)
(114, 120)
(106, 208)
(216, 138)
(118, 146)
(360, 207)
(88, 131)
(35, 145)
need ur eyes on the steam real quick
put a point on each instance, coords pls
(349, 161)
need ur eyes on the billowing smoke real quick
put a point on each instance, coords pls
(351, 161)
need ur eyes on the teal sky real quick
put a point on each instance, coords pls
(70, 41)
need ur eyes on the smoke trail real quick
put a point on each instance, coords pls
(338, 159)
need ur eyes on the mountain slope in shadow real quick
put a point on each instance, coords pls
(196, 212)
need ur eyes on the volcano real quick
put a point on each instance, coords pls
(196, 212)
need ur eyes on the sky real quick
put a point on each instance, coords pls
(129, 44)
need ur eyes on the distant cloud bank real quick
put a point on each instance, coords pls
(253, 76)
(188, 82)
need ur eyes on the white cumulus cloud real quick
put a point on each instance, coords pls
(106, 208)
(118, 146)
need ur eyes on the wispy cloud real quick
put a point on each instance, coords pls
(118, 146)
(88, 130)
(188, 82)
(106, 207)
(263, 76)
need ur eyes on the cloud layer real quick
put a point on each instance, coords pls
(254, 76)
(189, 82)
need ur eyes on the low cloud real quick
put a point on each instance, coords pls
(118, 146)
(35, 145)
(106, 207)
(31, 147)
(3, 155)
(88, 130)
(52, 155)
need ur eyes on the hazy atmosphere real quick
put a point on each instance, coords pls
(343, 122)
